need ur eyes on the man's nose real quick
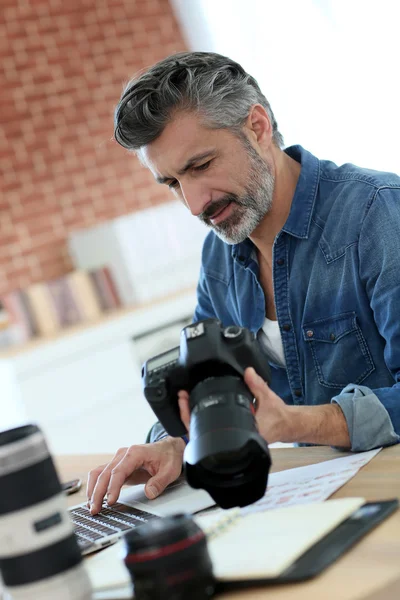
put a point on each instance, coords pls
(195, 197)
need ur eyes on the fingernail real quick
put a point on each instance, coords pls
(252, 373)
(151, 492)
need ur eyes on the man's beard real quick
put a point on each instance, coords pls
(248, 209)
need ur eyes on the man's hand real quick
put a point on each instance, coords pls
(158, 464)
(272, 413)
(279, 422)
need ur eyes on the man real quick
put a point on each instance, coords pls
(302, 252)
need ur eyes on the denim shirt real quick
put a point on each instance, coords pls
(336, 281)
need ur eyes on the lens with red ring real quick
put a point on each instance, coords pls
(168, 558)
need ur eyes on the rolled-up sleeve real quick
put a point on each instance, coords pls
(368, 421)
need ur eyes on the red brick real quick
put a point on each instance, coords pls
(67, 61)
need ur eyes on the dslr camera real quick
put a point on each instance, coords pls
(226, 456)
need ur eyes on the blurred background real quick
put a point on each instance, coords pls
(98, 264)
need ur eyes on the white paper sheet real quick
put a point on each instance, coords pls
(313, 483)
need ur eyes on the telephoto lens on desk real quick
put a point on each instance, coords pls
(39, 555)
(168, 558)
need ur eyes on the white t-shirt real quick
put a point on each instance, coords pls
(271, 339)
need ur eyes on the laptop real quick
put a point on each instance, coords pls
(133, 509)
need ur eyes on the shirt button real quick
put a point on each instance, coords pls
(297, 393)
(332, 337)
(280, 262)
(286, 327)
(310, 333)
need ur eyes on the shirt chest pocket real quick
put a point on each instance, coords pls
(339, 350)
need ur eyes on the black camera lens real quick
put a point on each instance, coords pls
(225, 463)
(168, 558)
(226, 455)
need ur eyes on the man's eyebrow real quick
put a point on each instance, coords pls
(192, 161)
(163, 179)
(195, 159)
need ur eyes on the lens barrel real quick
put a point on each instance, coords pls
(39, 554)
(226, 455)
(168, 558)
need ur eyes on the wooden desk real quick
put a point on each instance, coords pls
(370, 571)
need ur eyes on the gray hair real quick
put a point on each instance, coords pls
(215, 86)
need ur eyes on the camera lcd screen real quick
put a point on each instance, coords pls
(163, 359)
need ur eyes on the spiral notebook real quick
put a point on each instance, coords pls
(286, 544)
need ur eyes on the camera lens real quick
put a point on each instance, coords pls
(39, 554)
(168, 558)
(226, 463)
(226, 455)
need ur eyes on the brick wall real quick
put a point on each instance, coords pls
(62, 67)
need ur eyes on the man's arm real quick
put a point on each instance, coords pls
(279, 422)
(324, 425)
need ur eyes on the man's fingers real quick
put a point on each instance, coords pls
(255, 383)
(99, 482)
(137, 477)
(161, 461)
(183, 401)
(157, 484)
(92, 480)
(133, 460)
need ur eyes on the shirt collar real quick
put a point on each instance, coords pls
(298, 221)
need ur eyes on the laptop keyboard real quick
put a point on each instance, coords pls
(91, 528)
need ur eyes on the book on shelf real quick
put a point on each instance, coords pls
(85, 294)
(64, 302)
(109, 279)
(21, 316)
(43, 309)
(105, 288)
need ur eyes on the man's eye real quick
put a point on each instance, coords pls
(173, 184)
(202, 167)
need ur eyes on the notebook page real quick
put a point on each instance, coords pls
(263, 545)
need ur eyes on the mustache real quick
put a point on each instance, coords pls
(217, 206)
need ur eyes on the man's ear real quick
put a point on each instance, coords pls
(258, 127)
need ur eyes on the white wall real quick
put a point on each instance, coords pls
(12, 412)
(330, 68)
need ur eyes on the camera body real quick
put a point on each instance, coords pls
(206, 350)
(226, 455)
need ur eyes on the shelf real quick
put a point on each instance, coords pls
(138, 316)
